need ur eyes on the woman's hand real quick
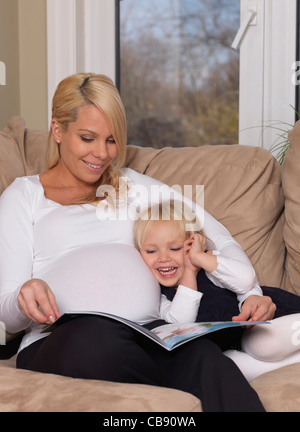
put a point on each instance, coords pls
(256, 308)
(37, 302)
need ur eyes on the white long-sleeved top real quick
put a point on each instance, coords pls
(86, 255)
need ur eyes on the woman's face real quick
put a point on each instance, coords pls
(87, 147)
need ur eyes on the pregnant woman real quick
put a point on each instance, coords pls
(62, 249)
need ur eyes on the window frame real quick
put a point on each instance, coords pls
(266, 87)
(81, 37)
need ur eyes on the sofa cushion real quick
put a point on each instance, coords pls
(279, 390)
(242, 189)
(22, 152)
(27, 391)
(291, 230)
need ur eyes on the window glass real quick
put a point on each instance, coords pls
(179, 77)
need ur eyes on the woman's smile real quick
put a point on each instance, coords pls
(93, 167)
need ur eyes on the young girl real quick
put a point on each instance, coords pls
(177, 256)
(185, 304)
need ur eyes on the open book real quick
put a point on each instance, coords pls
(169, 336)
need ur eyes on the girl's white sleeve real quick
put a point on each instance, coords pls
(235, 271)
(183, 308)
(16, 252)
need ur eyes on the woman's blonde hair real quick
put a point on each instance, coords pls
(80, 90)
(176, 211)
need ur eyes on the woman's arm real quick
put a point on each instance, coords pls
(16, 253)
(16, 257)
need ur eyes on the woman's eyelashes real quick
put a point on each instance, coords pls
(85, 139)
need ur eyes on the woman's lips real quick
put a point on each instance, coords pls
(93, 167)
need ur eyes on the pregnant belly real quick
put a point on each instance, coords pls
(109, 278)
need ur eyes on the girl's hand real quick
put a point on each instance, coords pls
(37, 302)
(194, 246)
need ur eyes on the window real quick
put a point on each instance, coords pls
(267, 56)
(179, 77)
(262, 99)
(178, 36)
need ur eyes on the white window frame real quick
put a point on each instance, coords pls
(81, 38)
(267, 53)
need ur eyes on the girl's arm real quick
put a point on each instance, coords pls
(234, 271)
(183, 308)
(225, 272)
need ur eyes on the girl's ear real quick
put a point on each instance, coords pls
(56, 132)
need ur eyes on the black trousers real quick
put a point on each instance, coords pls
(99, 348)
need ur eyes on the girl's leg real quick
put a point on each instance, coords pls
(275, 341)
(287, 303)
(251, 368)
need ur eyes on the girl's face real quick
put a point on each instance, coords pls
(163, 252)
(87, 147)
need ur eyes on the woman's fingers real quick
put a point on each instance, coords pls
(37, 302)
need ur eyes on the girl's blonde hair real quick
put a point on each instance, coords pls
(80, 90)
(176, 211)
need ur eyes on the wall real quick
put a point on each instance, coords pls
(23, 47)
(33, 63)
(9, 54)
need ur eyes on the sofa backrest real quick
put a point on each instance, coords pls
(22, 152)
(291, 232)
(242, 187)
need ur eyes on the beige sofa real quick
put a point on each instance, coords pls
(245, 188)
